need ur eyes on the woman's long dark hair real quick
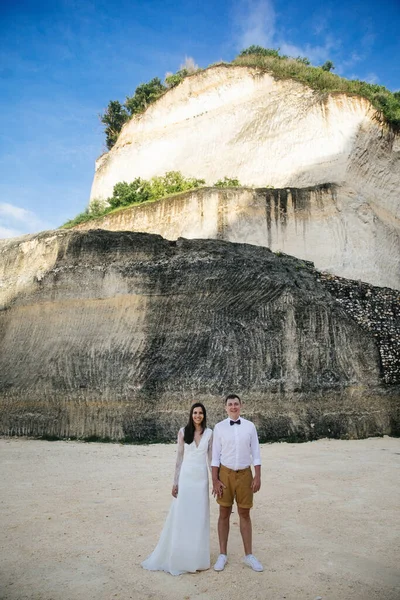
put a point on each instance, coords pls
(189, 429)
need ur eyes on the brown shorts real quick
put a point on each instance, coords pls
(238, 486)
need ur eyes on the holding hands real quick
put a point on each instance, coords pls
(218, 488)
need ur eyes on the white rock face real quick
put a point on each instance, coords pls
(329, 225)
(238, 122)
(32, 256)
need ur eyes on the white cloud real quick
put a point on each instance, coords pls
(15, 212)
(368, 40)
(354, 58)
(319, 24)
(189, 64)
(255, 23)
(316, 54)
(372, 78)
(6, 232)
(16, 221)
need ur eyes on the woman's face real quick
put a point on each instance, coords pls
(197, 415)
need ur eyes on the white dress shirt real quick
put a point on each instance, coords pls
(235, 446)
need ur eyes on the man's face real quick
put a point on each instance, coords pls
(233, 407)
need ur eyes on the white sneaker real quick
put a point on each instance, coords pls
(221, 562)
(251, 561)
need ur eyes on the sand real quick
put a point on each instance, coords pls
(77, 519)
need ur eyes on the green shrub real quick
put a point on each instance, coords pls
(175, 79)
(227, 182)
(81, 218)
(303, 60)
(171, 183)
(260, 51)
(145, 94)
(97, 207)
(125, 194)
(140, 190)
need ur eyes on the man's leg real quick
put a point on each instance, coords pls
(223, 528)
(223, 532)
(244, 496)
(245, 529)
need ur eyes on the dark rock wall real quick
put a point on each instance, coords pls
(122, 331)
(376, 310)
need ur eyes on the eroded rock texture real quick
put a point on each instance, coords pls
(241, 122)
(339, 231)
(114, 334)
(334, 164)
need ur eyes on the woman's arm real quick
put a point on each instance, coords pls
(217, 485)
(179, 458)
(209, 451)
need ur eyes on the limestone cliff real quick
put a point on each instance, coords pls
(240, 122)
(338, 231)
(113, 334)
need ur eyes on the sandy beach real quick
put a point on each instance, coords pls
(77, 519)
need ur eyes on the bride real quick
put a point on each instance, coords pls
(184, 544)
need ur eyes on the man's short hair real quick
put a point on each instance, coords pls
(233, 397)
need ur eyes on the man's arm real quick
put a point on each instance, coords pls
(218, 486)
(255, 453)
(256, 483)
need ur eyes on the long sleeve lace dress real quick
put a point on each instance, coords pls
(184, 544)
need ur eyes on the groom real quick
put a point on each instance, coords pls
(235, 448)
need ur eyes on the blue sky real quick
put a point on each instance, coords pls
(61, 62)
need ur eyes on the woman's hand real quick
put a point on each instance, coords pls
(175, 491)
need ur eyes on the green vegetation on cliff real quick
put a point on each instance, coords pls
(145, 94)
(227, 182)
(142, 190)
(267, 59)
(321, 79)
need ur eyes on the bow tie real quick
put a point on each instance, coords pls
(235, 422)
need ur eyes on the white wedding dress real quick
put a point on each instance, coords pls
(184, 544)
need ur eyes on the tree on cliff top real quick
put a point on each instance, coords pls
(117, 114)
(328, 66)
(114, 118)
(145, 94)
